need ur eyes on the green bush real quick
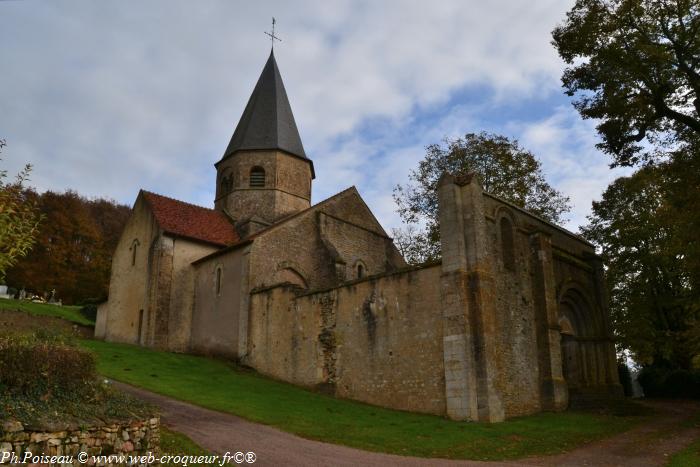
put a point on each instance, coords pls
(45, 366)
(673, 383)
(623, 371)
(89, 312)
(93, 301)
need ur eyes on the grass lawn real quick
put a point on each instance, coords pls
(688, 457)
(218, 385)
(177, 444)
(70, 313)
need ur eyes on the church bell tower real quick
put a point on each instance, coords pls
(264, 174)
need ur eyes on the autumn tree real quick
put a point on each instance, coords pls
(74, 247)
(641, 226)
(502, 167)
(19, 218)
(634, 66)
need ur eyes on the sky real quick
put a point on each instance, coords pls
(109, 97)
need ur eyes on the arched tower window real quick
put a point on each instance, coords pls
(507, 247)
(226, 183)
(257, 177)
(134, 246)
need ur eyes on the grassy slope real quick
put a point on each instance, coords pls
(176, 444)
(70, 313)
(216, 385)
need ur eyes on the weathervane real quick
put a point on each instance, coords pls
(272, 34)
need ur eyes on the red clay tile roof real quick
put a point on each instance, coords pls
(191, 221)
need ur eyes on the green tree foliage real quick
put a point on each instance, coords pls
(74, 247)
(635, 66)
(646, 227)
(19, 218)
(502, 167)
(414, 244)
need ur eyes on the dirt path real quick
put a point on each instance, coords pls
(646, 445)
(650, 444)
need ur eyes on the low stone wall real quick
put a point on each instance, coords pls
(135, 438)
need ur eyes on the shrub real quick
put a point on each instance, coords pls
(673, 383)
(93, 301)
(43, 366)
(623, 371)
(89, 312)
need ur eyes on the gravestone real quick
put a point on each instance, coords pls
(3, 292)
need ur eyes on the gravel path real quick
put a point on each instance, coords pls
(650, 444)
(646, 445)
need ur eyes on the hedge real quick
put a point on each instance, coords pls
(672, 383)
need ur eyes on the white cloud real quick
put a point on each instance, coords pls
(565, 145)
(109, 97)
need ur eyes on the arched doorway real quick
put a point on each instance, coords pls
(570, 354)
(582, 345)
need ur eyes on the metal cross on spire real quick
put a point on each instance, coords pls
(273, 38)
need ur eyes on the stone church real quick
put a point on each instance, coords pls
(512, 321)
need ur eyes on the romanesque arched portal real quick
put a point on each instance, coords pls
(584, 344)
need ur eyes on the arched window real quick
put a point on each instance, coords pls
(226, 183)
(257, 177)
(507, 247)
(361, 270)
(218, 280)
(134, 246)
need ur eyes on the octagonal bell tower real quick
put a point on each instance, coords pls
(264, 174)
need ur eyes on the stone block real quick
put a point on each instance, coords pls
(12, 426)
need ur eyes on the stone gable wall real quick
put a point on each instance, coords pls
(323, 244)
(155, 295)
(355, 245)
(128, 285)
(297, 244)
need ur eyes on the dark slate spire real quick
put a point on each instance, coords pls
(267, 121)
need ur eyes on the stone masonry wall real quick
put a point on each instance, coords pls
(354, 246)
(306, 243)
(287, 185)
(377, 340)
(536, 294)
(181, 300)
(511, 262)
(128, 285)
(134, 438)
(518, 379)
(216, 316)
